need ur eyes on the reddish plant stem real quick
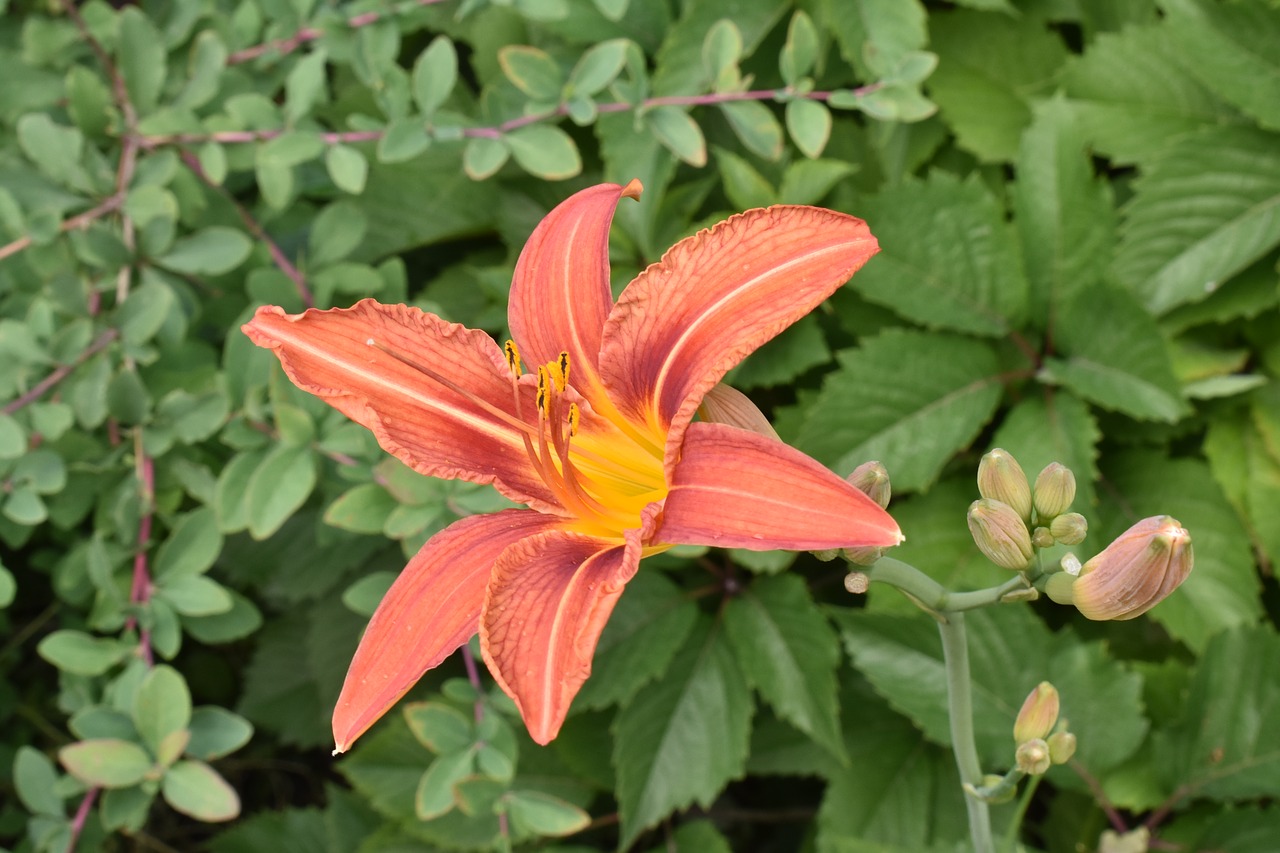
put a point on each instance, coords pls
(82, 815)
(284, 46)
(473, 675)
(1100, 797)
(278, 256)
(140, 590)
(80, 220)
(42, 387)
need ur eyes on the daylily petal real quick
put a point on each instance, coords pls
(548, 601)
(431, 428)
(431, 609)
(717, 296)
(734, 488)
(560, 295)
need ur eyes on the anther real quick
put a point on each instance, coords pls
(513, 356)
(562, 379)
(575, 417)
(542, 389)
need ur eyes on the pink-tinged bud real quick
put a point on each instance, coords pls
(1062, 746)
(1000, 533)
(1069, 529)
(1032, 757)
(1135, 572)
(872, 480)
(1039, 714)
(1055, 490)
(1001, 478)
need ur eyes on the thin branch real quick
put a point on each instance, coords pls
(240, 137)
(282, 47)
(278, 256)
(61, 373)
(82, 815)
(140, 589)
(76, 222)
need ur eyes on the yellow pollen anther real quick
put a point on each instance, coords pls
(513, 356)
(575, 417)
(542, 389)
(563, 364)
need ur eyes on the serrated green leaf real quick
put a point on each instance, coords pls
(908, 399)
(141, 56)
(989, 67)
(1208, 207)
(1222, 590)
(347, 167)
(788, 653)
(161, 706)
(533, 71)
(1064, 216)
(684, 738)
(946, 258)
(282, 482)
(1224, 745)
(542, 814)
(648, 626)
(80, 653)
(195, 789)
(216, 732)
(106, 762)
(1231, 48)
(212, 251)
(695, 836)
(544, 151)
(809, 123)
(1112, 354)
(1134, 94)
(677, 130)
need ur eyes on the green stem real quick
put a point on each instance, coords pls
(955, 655)
(932, 595)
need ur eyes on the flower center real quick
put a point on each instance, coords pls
(603, 474)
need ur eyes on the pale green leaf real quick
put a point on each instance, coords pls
(598, 67)
(195, 789)
(336, 232)
(279, 486)
(141, 55)
(161, 706)
(34, 777)
(347, 168)
(106, 762)
(80, 653)
(809, 123)
(542, 814)
(434, 74)
(756, 126)
(484, 156)
(191, 547)
(907, 399)
(403, 140)
(544, 151)
(216, 732)
(212, 251)
(533, 71)
(875, 34)
(305, 86)
(676, 129)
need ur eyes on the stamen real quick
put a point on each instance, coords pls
(561, 373)
(575, 418)
(513, 356)
(542, 391)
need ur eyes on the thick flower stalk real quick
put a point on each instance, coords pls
(599, 441)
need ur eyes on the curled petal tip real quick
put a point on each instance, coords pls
(633, 189)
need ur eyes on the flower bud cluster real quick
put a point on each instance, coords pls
(872, 479)
(1012, 520)
(1042, 741)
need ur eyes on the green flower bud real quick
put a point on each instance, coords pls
(826, 555)
(1062, 746)
(1135, 572)
(1069, 529)
(865, 555)
(1042, 538)
(998, 790)
(1032, 757)
(1038, 715)
(1000, 478)
(1060, 587)
(1055, 490)
(1000, 533)
(872, 480)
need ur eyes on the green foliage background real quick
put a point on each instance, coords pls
(1079, 207)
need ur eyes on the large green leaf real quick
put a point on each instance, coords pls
(1205, 209)
(683, 739)
(1231, 47)
(1222, 590)
(1134, 94)
(874, 35)
(789, 653)
(679, 68)
(990, 65)
(946, 258)
(1063, 214)
(1110, 352)
(646, 629)
(1227, 743)
(908, 399)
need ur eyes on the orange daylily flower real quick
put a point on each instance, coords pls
(600, 443)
